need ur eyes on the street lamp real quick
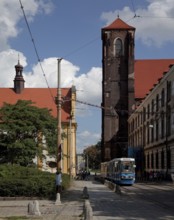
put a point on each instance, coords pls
(87, 163)
(70, 144)
(59, 104)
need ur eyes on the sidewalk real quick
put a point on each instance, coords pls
(106, 205)
(71, 207)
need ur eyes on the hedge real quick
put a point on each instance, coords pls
(21, 181)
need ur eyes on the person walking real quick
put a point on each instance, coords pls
(58, 181)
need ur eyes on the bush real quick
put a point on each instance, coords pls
(29, 182)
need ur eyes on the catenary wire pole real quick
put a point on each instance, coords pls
(59, 105)
(70, 146)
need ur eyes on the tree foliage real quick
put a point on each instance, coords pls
(20, 125)
(94, 155)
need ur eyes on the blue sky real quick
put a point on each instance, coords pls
(71, 29)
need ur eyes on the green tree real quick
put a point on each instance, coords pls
(94, 155)
(20, 125)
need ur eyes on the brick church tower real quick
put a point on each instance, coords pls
(117, 87)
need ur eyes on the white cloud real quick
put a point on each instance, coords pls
(37, 78)
(90, 86)
(11, 13)
(88, 139)
(89, 90)
(69, 76)
(46, 6)
(154, 26)
(8, 59)
(89, 83)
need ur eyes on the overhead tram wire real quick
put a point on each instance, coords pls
(133, 6)
(135, 15)
(83, 46)
(37, 54)
(79, 48)
(138, 16)
(35, 49)
(117, 110)
(157, 17)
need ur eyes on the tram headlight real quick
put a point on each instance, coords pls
(130, 177)
(126, 177)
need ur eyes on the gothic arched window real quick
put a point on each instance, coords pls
(118, 47)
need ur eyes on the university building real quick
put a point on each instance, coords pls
(45, 98)
(125, 85)
(151, 129)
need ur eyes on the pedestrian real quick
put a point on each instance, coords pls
(58, 181)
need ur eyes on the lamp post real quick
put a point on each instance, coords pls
(59, 104)
(87, 163)
(70, 145)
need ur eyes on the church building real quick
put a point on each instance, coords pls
(125, 83)
(45, 98)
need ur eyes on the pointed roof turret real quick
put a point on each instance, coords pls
(119, 24)
(18, 80)
(18, 68)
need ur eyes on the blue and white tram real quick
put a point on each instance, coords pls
(121, 171)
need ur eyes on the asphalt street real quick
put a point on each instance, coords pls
(106, 204)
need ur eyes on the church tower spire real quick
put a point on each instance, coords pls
(18, 80)
(117, 87)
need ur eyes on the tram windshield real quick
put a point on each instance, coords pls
(128, 166)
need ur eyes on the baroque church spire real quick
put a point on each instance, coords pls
(18, 80)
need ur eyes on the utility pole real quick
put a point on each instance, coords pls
(59, 128)
(70, 145)
(87, 163)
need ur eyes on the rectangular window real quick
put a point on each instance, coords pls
(168, 159)
(144, 114)
(168, 91)
(152, 131)
(141, 115)
(168, 122)
(152, 107)
(144, 136)
(152, 160)
(162, 125)
(157, 159)
(148, 133)
(162, 159)
(162, 98)
(148, 161)
(148, 111)
(157, 130)
(157, 102)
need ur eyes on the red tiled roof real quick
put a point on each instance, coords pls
(41, 97)
(119, 24)
(147, 73)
